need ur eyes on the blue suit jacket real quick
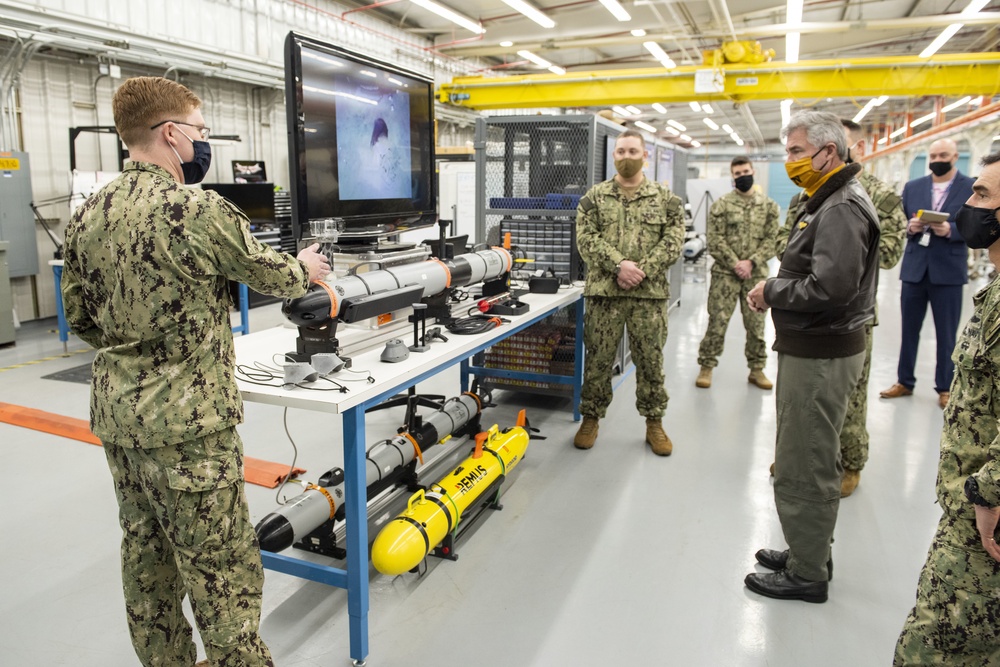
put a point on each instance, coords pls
(945, 260)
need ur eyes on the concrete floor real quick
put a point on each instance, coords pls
(610, 556)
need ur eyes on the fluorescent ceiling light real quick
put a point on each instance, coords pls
(660, 54)
(635, 111)
(695, 143)
(638, 32)
(793, 11)
(735, 137)
(532, 13)
(621, 111)
(786, 112)
(368, 73)
(395, 81)
(883, 140)
(555, 69)
(727, 129)
(673, 131)
(528, 55)
(506, 43)
(686, 138)
(711, 123)
(659, 107)
(793, 16)
(616, 10)
(954, 105)
(707, 108)
(695, 106)
(674, 123)
(871, 104)
(922, 120)
(792, 47)
(739, 142)
(451, 15)
(975, 7)
(898, 132)
(645, 126)
(945, 35)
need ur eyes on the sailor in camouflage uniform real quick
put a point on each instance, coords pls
(954, 621)
(629, 231)
(742, 226)
(892, 222)
(147, 262)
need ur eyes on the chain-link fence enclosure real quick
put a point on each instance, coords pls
(531, 172)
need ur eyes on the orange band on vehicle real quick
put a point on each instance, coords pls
(333, 298)
(475, 397)
(416, 447)
(333, 505)
(447, 271)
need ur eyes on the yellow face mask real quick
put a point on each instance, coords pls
(802, 173)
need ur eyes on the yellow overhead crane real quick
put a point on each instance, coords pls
(858, 78)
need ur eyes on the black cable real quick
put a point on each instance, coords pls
(474, 324)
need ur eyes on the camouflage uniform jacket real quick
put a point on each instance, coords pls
(647, 229)
(146, 265)
(888, 206)
(970, 442)
(741, 228)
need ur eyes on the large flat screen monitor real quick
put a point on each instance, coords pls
(361, 141)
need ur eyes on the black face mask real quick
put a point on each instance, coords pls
(744, 183)
(940, 168)
(978, 226)
(195, 170)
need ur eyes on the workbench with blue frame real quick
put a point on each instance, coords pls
(389, 380)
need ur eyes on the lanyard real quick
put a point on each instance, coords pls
(944, 195)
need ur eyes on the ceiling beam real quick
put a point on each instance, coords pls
(742, 32)
(857, 78)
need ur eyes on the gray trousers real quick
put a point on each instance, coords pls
(811, 399)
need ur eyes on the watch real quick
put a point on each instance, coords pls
(972, 492)
(618, 267)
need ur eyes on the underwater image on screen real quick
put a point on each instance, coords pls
(373, 140)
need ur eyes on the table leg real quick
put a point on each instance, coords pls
(57, 271)
(578, 361)
(356, 506)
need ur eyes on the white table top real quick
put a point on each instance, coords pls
(389, 377)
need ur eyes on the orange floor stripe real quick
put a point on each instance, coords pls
(266, 473)
(257, 471)
(39, 420)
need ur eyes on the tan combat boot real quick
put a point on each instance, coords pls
(704, 378)
(758, 378)
(587, 435)
(849, 482)
(657, 439)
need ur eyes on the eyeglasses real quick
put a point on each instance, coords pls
(205, 132)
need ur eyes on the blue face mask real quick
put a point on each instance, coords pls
(195, 170)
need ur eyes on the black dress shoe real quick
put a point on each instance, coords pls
(784, 585)
(773, 559)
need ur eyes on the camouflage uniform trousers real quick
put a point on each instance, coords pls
(605, 320)
(854, 434)
(954, 621)
(723, 294)
(186, 529)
